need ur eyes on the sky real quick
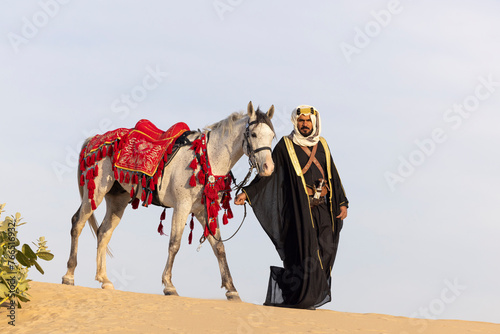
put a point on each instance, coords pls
(408, 92)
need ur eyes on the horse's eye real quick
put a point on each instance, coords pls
(254, 135)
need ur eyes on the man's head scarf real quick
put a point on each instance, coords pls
(296, 136)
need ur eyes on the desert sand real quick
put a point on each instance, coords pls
(57, 308)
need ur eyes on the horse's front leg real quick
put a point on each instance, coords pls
(179, 218)
(220, 253)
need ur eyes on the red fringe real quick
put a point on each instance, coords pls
(213, 226)
(213, 209)
(160, 229)
(192, 181)
(135, 203)
(201, 177)
(193, 164)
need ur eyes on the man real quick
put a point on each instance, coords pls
(301, 206)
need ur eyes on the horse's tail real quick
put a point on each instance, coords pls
(92, 220)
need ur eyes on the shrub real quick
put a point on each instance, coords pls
(14, 263)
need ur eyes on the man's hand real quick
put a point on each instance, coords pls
(343, 212)
(240, 199)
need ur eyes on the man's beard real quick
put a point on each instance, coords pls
(306, 134)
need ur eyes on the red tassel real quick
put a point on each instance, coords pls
(190, 238)
(213, 226)
(132, 192)
(93, 204)
(116, 174)
(205, 232)
(104, 151)
(163, 214)
(191, 223)
(135, 179)
(122, 176)
(151, 185)
(150, 198)
(91, 185)
(192, 181)
(224, 219)
(127, 178)
(229, 213)
(201, 177)
(143, 195)
(82, 180)
(144, 182)
(82, 164)
(99, 155)
(110, 151)
(160, 229)
(193, 164)
(96, 170)
(135, 203)
(213, 210)
(169, 149)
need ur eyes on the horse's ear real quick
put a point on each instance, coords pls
(250, 109)
(270, 112)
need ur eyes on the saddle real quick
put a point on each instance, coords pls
(145, 126)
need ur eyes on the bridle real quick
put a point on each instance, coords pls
(250, 152)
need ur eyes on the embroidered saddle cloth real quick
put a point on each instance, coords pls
(144, 147)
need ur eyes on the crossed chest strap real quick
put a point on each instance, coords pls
(312, 160)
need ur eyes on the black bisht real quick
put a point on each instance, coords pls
(281, 204)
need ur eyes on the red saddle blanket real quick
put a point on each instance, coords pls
(137, 155)
(144, 147)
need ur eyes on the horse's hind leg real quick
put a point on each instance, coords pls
(179, 218)
(78, 221)
(220, 253)
(116, 202)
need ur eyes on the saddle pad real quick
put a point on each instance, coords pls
(142, 152)
(108, 138)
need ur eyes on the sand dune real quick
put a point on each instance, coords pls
(57, 308)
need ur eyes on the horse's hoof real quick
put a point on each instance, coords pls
(68, 281)
(107, 286)
(233, 296)
(170, 292)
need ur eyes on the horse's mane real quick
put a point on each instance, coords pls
(226, 125)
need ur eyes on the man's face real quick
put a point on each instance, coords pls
(304, 125)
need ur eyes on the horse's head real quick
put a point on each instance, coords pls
(259, 134)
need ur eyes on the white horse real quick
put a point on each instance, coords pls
(229, 139)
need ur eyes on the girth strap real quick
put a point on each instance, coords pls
(312, 159)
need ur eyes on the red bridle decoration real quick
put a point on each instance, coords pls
(213, 184)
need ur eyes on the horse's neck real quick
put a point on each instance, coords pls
(225, 149)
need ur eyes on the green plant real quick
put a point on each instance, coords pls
(14, 263)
